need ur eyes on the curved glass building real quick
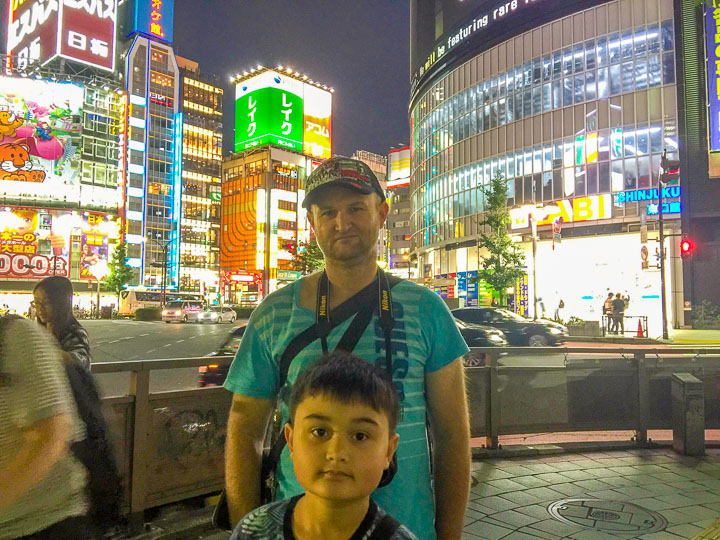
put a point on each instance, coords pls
(573, 104)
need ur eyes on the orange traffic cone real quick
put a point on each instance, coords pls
(640, 332)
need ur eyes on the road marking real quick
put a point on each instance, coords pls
(167, 345)
(143, 335)
(114, 341)
(151, 350)
(179, 341)
(192, 337)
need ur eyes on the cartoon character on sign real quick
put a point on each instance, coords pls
(21, 234)
(15, 164)
(9, 124)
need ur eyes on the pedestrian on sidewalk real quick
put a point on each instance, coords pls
(42, 484)
(618, 314)
(607, 311)
(53, 305)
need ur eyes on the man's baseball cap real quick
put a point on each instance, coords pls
(345, 172)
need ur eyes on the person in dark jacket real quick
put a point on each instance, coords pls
(53, 302)
(618, 314)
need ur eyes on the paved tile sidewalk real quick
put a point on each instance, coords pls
(651, 493)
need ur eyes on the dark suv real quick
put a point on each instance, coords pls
(518, 330)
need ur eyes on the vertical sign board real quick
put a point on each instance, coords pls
(153, 18)
(94, 260)
(712, 30)
(522, 298)
(87, 32)
(317, 135)
(32, 31)
(269, 110)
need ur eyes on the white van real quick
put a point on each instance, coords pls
(182, 311)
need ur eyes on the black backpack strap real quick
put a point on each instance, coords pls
(385, 528)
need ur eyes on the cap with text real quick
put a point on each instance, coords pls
(344, 172)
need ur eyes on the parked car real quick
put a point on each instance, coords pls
(214, 374)
(218, 314)
(182, 311)
(518, 330)
(476, 335)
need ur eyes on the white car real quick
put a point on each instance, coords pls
(217, 314)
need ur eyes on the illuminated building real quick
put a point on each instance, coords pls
(573, 103)
(154, 143)
(202, 165)
(398, 220)
(283, 130)
(378, 165)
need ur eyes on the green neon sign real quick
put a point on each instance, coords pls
(269, 116)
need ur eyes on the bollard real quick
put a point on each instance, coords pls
(688, 414)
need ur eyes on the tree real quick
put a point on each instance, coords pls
(505, 261)
(120, 273)
(308, 257)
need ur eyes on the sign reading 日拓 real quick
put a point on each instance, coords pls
(712, 28)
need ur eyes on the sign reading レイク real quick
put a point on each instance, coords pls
(712, 27)
(570, 211)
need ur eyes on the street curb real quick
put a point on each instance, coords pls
(618, 340)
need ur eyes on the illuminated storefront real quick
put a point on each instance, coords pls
(573, 103)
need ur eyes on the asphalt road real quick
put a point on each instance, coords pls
(124, 340)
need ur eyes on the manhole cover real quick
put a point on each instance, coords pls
(615, 516)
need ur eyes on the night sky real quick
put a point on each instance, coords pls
(358, 47)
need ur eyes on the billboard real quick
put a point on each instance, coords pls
(712, 31)
(153, 18)
(445, 32)
(80, 30)
(32, 31)
(94, 260)
(398, 167)
(34, 243)
(272, 108)
(40, 138)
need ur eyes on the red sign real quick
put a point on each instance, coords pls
(87, 32)
(32, 31)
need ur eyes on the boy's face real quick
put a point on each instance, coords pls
(339, 450)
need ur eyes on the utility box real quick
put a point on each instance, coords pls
(688, 414)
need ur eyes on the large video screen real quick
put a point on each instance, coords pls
(444, 32)
(40, 138)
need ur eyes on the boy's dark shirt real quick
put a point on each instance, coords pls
(74, 340)
(274, 522)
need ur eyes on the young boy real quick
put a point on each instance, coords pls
(341, 437)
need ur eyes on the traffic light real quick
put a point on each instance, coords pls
(670, 170)
(687, 248)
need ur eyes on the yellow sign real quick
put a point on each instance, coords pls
(569, 211)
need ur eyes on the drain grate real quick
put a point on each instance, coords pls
(612, 516)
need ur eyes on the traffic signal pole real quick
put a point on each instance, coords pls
(663, 299)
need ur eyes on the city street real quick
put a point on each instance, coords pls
(124, 340)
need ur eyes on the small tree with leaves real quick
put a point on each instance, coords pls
(504, 262)
(308, 258)
(120, 273)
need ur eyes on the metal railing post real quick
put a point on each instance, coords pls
(140, 388)
(493, 403)
(643, 399)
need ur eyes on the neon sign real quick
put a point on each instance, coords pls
(648, 194)
(674, 207)
(154, 18)
(569, 211)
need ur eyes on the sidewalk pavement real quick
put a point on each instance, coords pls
(690, 335)
(637, 493)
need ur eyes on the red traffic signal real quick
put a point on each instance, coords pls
(670, 170)
(687, 248)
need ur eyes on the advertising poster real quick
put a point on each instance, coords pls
(34, 243)
(269, 110)
(32, 32)
(522, 298)
(712, 34)
(87, 32)
(318, 122)
(94, 260)
(398, 167)
(40, 137)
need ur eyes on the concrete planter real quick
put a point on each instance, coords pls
(589, 329)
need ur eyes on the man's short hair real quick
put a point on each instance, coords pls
(348, 379)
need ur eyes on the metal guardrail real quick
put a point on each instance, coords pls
(170, 445)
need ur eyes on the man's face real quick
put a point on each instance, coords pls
(346, 223)
(43, 306)
(339, 450)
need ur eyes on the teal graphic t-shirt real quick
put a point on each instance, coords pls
(424, 340)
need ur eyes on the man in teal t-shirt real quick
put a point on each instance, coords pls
(346, 215)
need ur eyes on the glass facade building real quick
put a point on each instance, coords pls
(577, 109)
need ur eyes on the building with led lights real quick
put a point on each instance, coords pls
(201, 171)
(283, 130)
(399, 244)
(573, 104)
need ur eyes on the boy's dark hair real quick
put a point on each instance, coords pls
(347, 378)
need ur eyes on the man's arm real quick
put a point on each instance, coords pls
(243, 453)
(45, 442)
(450, 426)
